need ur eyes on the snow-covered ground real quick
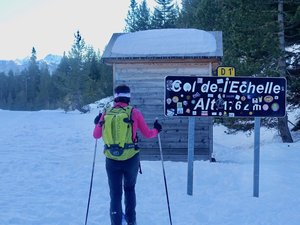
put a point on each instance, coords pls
(46, 162)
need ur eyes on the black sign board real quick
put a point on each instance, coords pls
(225, 96)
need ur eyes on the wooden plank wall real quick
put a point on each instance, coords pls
(146, 82)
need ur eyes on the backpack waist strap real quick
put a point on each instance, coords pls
(115, 152)
(126, 146)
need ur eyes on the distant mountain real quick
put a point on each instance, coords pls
(51, 61)
(7, 65)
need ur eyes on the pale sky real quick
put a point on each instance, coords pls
(49, 25)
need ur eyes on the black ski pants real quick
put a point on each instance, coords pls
(122, 173)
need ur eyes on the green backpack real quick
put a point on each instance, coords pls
(117, 134)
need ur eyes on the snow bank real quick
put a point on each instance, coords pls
(46, 162)
(165, 41)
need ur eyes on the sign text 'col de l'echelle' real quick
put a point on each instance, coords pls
(225, 96)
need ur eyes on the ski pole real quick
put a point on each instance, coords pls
(91, 185)
(164, 173)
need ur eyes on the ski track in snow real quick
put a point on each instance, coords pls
(46, 163)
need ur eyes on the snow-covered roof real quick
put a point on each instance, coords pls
(164, 43)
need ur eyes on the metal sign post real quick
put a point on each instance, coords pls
(256, 157)
(191, 142)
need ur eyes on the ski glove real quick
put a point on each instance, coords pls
(157, 126)
(97, 119)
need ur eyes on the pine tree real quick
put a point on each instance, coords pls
(143, 16)
(131, 19)
(292, 39)
(4, 92)
(43, 99)
(12, 89)
(77, 75)
(165, 14)
(187, 15)
(60, 82)
(32, 81)
(20, 102)
(106, 81)
(80, 78)
(93, 66)
(100, 78)
(93, 70)
(250, 33)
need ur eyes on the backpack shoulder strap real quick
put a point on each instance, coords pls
(129, 113)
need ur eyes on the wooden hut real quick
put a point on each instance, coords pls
(142, 60)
